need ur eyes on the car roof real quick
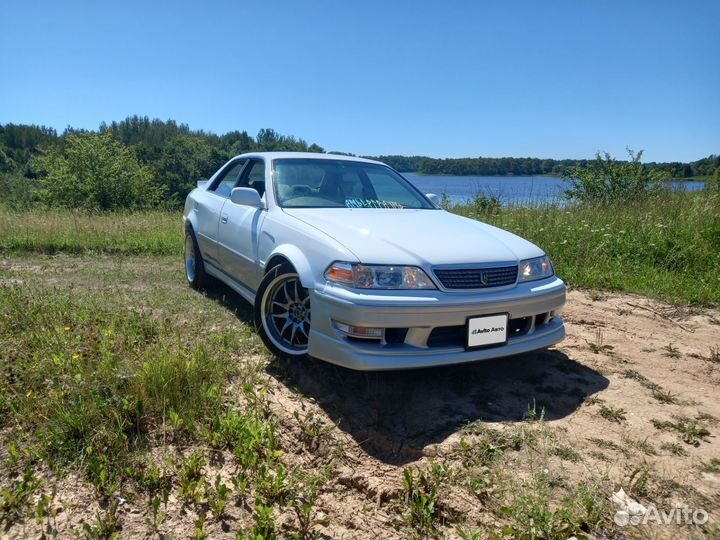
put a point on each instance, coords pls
(306, 155)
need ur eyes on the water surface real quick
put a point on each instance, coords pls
(509, 189)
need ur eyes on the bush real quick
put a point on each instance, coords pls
(95, 172)
(713, 182)
(607, 179)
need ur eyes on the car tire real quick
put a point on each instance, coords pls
(282, 312)
(194, 265)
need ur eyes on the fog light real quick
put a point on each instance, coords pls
(359, 331)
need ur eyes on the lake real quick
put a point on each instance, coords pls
(509, 189)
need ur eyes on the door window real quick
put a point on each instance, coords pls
(255, 177)
(228, 179)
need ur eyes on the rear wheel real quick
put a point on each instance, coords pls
(282, 312)
(194, 267)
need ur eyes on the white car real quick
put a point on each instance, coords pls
(346, 261)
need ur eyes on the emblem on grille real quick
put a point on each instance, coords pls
(483, 278)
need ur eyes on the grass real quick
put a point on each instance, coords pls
(55, 231)
(665, 246)
(108, 372)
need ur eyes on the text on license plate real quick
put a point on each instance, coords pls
(487, 330)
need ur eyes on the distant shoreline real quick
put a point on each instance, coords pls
(670, 179)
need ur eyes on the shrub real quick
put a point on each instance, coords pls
(607, 179)
(95, 172)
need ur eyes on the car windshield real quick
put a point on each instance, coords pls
(327, 183)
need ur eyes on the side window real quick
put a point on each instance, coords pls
(224, 185)
(255, 177)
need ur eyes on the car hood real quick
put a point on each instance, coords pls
(418, 237)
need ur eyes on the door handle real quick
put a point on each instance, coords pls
(224, 219)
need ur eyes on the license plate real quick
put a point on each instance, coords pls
(487, 331)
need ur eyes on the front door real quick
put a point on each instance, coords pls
(239, 230)
(208, 205)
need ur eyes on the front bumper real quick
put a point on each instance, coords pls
(435, 323)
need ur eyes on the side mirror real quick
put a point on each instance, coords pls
(246, 197)
(435, 199)
(202, 183)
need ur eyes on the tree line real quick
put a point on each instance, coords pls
(510, 166)
(141, 162)
(133, 163)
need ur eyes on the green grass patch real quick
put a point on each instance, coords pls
(666, 245)
(54, 231)
(89, 378)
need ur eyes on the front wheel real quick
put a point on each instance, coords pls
(282, 312)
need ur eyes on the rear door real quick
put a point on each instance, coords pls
(239, 230)
(208, 206)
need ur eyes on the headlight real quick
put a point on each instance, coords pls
(373, 276)
(537, 268)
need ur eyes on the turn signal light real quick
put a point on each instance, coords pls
(359, 331)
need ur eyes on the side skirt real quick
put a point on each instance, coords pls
(236, 286)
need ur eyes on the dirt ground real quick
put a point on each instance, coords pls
(629, 370)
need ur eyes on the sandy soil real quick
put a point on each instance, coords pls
(618, 347)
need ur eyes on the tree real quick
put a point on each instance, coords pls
(95, 172)
(607, 179)
(183, 161)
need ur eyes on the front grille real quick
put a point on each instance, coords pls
(477, 278)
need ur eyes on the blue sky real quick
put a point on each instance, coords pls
(446, 79)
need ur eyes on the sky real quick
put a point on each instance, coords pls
(550, 79)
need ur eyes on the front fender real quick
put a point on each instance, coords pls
(297, 259)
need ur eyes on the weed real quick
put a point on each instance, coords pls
(600, 456)
(106, 525)
(469, 534)
(532, 518)
(605, 444)
(639, 481)
(690, 433)
(157, 485)
(217, 496)
(644, 381)
(303, 505)
(612, 413)
(46, 510)
(712, 466)
(644, 445)
(489, 447)
(533, 415)
(199, 531)
(593, 400)
(714, 355)
(565, 453)
(674, 448)
(418, 501)
(15, 498)
(263, 524)
(666, 397)
(273, 483)
(670, 351)
(707, 418)
(599, 346)
(241, 484)
(313, 429)
(191, 478)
